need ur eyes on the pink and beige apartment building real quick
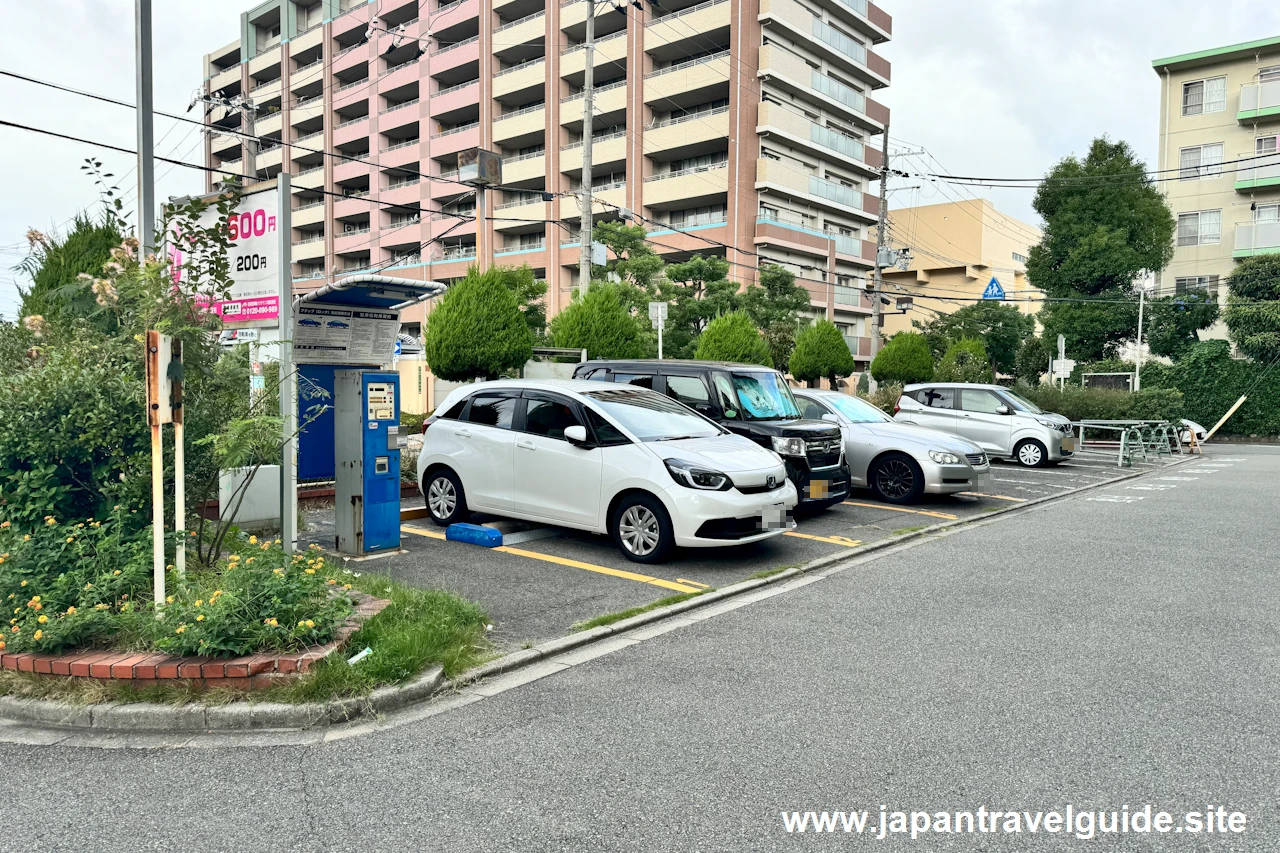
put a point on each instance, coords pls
(736, 128)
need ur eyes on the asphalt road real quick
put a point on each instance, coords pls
(1114, 649)
(536, 595)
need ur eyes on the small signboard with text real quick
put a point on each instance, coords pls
(324, 333)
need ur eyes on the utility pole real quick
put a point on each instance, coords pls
(588, 117)
(1137, 361)
(877, 315)
(146, 132)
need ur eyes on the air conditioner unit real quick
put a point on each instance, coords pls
(348, 227)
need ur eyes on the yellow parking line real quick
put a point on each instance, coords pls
(693, 583)
(831, 540)
(603, 570)
(414, 513)
(681, 586)
(946, 515)
(997, 497)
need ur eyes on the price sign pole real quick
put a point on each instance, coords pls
(288, 380)
(658, 316)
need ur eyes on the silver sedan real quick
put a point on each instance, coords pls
(898, 462)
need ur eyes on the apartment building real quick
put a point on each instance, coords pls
(738, 128)
(958, 248)
(1219, 122)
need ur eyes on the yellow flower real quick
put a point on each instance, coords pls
(48, 519)
(346, 586)
(302, 624)
(182, 629)
(71, 611)
(1, 645)
(24, 583)
(71, 538)
(199, 601)
(265, 546)
(78, 526)
(37, 606)
(37, 635)
(200, 618)
(35, 598)
(26, 537)
(100, 606)
(277, 571)
(43, 619)
(170, 568)
(116, 572)
(272, 621)
(310, 624)
(88, 586)
(311, 571)
(250, 560)
(4, 524)
(332, 582)
(13, 621)
(217, 592)
(277, 541)
(253, 540)
(168, 599)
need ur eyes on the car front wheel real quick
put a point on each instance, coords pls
(641, 529)
(1031, 454)
(446, 501)
(896, 478)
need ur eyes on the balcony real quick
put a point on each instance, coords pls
(308, 248)
(524, 168)
(825, 40)
(223, 79)
(305, 39)
(521, 248)
(1258, 174)
(506, 215)
(267, 59)
(306, 110)
(811, 189)
(521, 124)
(268, 125)
(608, 99)
(1259, 102)
(694, 131)
(866, 17)
(455, 139)
(690, 23)
(458, 253)
(771, 230)
(453, 99)
(307, 215)
(790, 72)
(818, 140)
(451, 14)
(351, 130)
(345, 169)
(520, 78)
(1257, 238)
(260, 93)
(269, 159)
(390, 108)
(605, 148)
(687, 187)
(607, 199)
(689, 81)
(610, 48)
(528, 29)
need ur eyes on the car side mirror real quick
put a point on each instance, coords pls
(576, 435)
(830, 418)
(1002, 410)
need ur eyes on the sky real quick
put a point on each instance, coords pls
(1001, 88)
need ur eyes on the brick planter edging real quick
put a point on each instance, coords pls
(142, 669)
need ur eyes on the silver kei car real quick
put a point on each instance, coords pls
(898, 462)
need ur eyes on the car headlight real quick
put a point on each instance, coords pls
(1049, 424)
(788, 446)
(942, 457)
(694, 477)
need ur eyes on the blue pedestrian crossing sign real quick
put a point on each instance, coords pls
(994, 290)
(398, 348)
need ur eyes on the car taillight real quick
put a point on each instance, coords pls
(896, 408)
(426, 423)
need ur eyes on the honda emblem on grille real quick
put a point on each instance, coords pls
(771, 482)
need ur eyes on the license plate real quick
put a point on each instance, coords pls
(773, 516)
(819, 489)
(1069, 442)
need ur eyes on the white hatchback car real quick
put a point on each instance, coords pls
(615, 459)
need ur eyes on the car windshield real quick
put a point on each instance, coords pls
(858, 411)
(650, 416)
(764, 396)
(1022, 404)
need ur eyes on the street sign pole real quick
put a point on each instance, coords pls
(288, 379)
(658, 316)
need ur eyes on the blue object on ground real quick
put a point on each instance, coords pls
(474, 534)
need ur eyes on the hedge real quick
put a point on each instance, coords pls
(1211, 382)
(1107, 404)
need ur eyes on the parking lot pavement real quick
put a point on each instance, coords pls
(545, 579)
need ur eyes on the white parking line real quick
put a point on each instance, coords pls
(1116, 499)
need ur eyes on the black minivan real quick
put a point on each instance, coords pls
(752, 401)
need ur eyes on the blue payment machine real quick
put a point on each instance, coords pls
(367, 442)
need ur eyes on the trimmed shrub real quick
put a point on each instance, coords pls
(733, 337)
(1211, 381)
(964, 361)
(820, 352)
(905, 359)
(477, 330)
(600, 324)
(1108, 404)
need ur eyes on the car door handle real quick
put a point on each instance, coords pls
(526, 445)
(462, 433)
(966, 416)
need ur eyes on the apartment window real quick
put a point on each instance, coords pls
(767, 212)
(1201, 228)
(1264, 145)
(1200, 161)
(846, 295)
(701, 162)
(703, 215)
(1269, 73)
(1267, 213)
(1204, 96)
(1183, 284)
(1022, 259)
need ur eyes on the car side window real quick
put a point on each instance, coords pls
(809, 409)
(549, 418)
(937, 398)
(724, 394)
(600, 374)
(643, 380)
(690, 390)
(492, 410)
(607, 435)
(455, 411)
(982, 402)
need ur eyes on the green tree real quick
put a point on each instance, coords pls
(600, 324)
(1253, 308)
(1106, 223)
(530, 293)
(477, 330)
(57, 266)
(634, 261)
(821, 351)
(777, 304)
(1032, 361)
(904, 358)
(1172, 322)
(733, 337)
(964, 361)
(697, 292)
(781, 338)
(1001, 328)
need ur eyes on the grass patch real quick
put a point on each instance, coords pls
(610, 618)
(92, 691)
(768, 573)
(902, 531)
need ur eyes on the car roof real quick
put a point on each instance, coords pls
(572, 386)
(916, 386)
(671, 362)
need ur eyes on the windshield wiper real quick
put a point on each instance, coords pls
(676, 437)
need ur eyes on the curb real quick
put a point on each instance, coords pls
(144, 717)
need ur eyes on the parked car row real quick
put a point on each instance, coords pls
(660, 454)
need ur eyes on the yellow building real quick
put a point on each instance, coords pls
(958, 248)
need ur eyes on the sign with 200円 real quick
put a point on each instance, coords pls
(254, 259)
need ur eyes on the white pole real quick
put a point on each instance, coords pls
(1137, 365)
(660, 325)
(588, 117)
(288, 383)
